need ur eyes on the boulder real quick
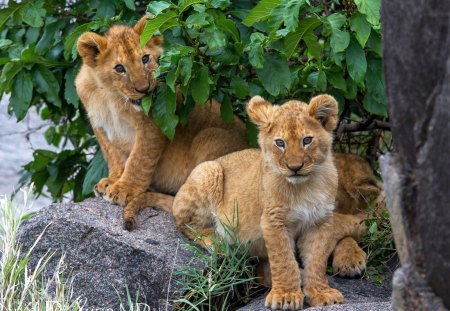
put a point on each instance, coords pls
(104, 258)
(416, 41)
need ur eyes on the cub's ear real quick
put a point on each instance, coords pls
(260, 112)
(89, 45)
(325, 109)
(155, 41)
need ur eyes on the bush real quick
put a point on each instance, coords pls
(280, 49)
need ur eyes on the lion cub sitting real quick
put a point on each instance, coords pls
(285, 193)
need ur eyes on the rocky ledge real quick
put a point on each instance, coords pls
(105, 260)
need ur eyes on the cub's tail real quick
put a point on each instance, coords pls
(142, 201)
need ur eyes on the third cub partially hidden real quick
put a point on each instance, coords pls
(285, 194)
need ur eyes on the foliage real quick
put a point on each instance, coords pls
(378, 243)
(280, 49)
(23, 288)
(221, 279)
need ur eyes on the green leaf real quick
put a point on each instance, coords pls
(21, 95)
(171, 77)
(275, 76)
(156, 7)
(9, 71)
(356, 61)
(375, 99)
(154, 24)
(239, 86)
(339, 39)
(256, 51)
(227, 25)
(197, 20)
(105, 9)
(373, 228)
(48, 38)
(33, 13)
(163, 111)
(226, 110)
(130, 4)
(291, 14)
(370, 8)
(260, 11)
(185, 65)
(318, 80)
(47, 84)
(337, 80)
(213, 38)
(361, 28)
(185, 4)
(374, 44)
(292, 40)
(97, 170)
(9, 11)
(200, 86)
(146, 104)
(222, 4)
(312, 44)
(70, 92)
(4, 43)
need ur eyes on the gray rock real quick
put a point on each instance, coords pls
(416, 41)
(360, 294)
(103, 257)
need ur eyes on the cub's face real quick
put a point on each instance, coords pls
(295, 138)
(121, 64)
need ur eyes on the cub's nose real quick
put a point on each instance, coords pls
(143, 89)
(295, 168)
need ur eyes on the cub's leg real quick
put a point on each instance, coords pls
(195, 201)
(137, 176)
(146, 199)
(315, 247)
(286, 292)
(349, 260)
(114, 159)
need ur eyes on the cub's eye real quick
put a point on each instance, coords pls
(119, 68)
(145, 59)
(279, 143)
(307, 140)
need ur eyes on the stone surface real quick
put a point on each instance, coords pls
(360, 294)
(104, 257)
(416, 40)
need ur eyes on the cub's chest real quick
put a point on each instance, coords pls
(112, 121)
(303, 214)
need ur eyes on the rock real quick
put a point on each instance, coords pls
(416, 41)
(106, 259)
(360, 294)
(103, 257)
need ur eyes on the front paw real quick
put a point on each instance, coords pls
(120, 194)
(286, 300)
(323, 296)
(350, 263)
(102, 185)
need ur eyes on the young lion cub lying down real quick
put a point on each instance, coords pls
(285, 194)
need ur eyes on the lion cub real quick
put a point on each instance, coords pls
(285, 194)
(116, 73)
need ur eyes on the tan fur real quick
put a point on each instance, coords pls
(139, 156)
(283, 195)
(357, 187)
